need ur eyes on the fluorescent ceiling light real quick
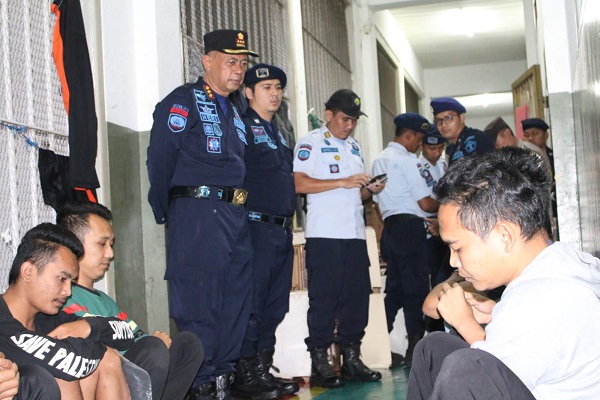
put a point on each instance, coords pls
(485, 99)
(466, 21)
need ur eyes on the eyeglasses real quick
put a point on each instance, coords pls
(445, 120)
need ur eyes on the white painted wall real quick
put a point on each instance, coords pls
(365, 78)
(473, 79)
(559, 27)
(142, 58)
(394, 39)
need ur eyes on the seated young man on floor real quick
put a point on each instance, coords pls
(172, 363)
(539, 341)
(34, 333)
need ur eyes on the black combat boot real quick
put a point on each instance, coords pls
(322, 373)
(223, 387)
(412, 342)
(247, 384)
(353, 369)
(263, 367)
(206, 391)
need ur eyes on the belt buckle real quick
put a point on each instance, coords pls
(255, 216)
(239, 197)
(203, 192)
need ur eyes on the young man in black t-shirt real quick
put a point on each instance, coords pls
(34, 332)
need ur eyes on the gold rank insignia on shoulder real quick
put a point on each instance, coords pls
(209, 92)
(337, 157)
(327, 134)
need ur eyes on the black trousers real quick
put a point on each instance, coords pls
(407, 281)
(273, 261)
(444, 367)
(338, 288)
(36, 383)
(171, 370)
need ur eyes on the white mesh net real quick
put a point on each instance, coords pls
(32, 115)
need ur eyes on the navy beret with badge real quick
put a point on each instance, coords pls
(433, 137)
(263, 72)
(534, 123)
(346, 101)
(228, 41)
(413, 121)
(442, 104)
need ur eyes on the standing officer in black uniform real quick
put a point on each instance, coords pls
(196, 170)
(449, 117)
(271, 202)
(404, 204)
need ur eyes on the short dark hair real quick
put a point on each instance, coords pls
(75, 216)
(400, 130)
(39, 247)
(511, 184)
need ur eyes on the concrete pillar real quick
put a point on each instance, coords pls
(142, 63)
(365, 77)
(297, 73)
(559, 29)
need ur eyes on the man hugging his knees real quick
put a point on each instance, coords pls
(171, 362)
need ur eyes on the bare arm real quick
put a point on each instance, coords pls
(431, 301)
(428, 204)
(456, 311)
(79, 329)
(307, 185)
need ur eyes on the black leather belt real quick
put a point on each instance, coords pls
(235, 196)
(402, 217)
(255, 216)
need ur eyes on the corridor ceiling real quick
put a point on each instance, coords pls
(455, 33)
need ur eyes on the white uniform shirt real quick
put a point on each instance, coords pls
(404, 187)
(337, 213)
(546, 327)
(432, 174)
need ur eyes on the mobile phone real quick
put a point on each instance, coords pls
(379, 178)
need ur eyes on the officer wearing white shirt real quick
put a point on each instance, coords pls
(329, 168)
(433, 166)
(404, 203)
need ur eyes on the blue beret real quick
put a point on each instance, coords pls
(534, 123)
(413, 121)
(262, 72)
(433, 137)
(442, 104)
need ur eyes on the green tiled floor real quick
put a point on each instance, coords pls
(393, 385)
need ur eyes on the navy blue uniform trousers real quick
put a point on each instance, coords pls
(273, 261)
(209, 274)
(444, 367)
(407, 281)
(338, 288)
